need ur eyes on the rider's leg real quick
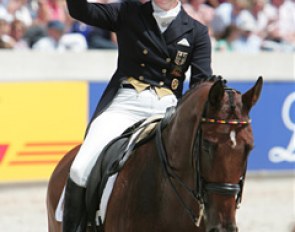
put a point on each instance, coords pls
(100, 133)
(127, 108)
(74, 207)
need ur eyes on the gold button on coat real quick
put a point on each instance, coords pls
(164, 71)
(161, 83)
(174, 84)
(141, 78)
(168, 60)
(145, 51)
(142, 65)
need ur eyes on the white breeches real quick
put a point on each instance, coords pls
(127, 108)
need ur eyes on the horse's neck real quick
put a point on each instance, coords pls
(180, 133)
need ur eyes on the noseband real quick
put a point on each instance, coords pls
(202, 186)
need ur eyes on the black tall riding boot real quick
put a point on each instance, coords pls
(74, 208)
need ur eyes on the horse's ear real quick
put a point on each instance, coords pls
(216, 93)
(252, 95)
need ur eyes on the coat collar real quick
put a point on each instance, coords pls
(180, 25)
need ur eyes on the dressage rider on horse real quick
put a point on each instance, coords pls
(157, 43)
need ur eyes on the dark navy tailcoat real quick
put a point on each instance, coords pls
(143, 51)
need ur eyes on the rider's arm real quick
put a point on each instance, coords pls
(95, 14)
(201, 57)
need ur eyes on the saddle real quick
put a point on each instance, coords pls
(114, 156)
(111, 161)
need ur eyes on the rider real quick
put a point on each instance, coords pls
(157, 43)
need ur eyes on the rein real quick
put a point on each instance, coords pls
(202, 186)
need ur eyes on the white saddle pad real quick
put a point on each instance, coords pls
(103, 204)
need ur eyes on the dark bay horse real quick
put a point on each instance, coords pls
(189, 176)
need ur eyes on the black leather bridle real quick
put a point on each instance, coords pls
(202, 186)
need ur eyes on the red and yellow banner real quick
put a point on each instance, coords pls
(39, 124)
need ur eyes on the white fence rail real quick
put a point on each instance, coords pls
(99, 65)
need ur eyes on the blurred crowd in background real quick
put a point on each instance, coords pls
(234, 25)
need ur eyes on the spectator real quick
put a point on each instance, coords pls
(265, 16)
(5, 39)
(49, 10)
(274, 32)
(228, 13)
(247, 41)
(225, 43)
(4, 13)
(200, 11)
(57, 10)
(287, 22)
(17, 32)
(42, 13)
(101, 39)
(79, 27)
(58, 40)
(97, 38)
(20, 10)
(34, 33)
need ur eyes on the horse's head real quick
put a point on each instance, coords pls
(224, 141)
